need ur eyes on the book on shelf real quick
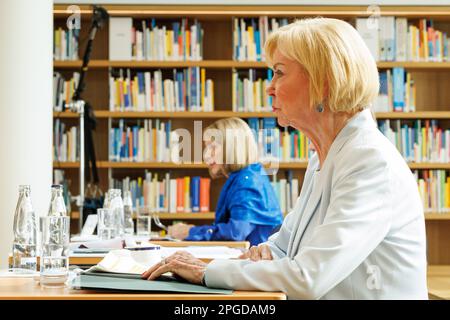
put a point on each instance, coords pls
(434, 189)
(147, 140)
(287, 191)
(397, 39)
(65, 44)
(186, 90)
(424, 141)
(170, 194)
(65, 142)
(279, 145)
(397, 92)
(147, 39)
(249, 92)
(250, 34)
(63, 90)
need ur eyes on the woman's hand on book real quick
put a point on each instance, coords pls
(256, 253)
(182, 264)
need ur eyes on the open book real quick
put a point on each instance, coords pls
(122, 261)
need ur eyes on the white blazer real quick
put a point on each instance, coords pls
(357, 231)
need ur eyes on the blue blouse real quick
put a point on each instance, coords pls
(247, 209)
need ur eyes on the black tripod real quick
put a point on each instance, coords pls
(87, 117)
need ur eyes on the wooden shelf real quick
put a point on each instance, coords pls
(424, 165)
(172, 216)
(163, 165)
(185, 114)
(414, 115)
(151, 165)
(73, 64)
(437, 216)
(65, 165)
(104, 114)
(225, 64)
(228, 11)
(414, 65)
(211, 64)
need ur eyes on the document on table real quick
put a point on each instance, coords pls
(206, 252)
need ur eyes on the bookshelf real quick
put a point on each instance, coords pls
(431, 78)
(223, 114)
(224, 64)
(159, 165)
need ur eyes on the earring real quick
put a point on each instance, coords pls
(319, 107)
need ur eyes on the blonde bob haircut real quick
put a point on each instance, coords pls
(237, 141)
(343, 74)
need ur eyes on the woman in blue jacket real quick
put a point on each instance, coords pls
(247, 208)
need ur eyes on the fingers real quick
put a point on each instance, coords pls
(147, 273)
(254, 254)
(261, 252)
(186, 270)
(265, 252)
(162, 269)
(245, 254)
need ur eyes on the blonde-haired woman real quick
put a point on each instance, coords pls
(247, 208)
(357, 230)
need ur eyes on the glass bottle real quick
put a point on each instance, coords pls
(24, 243)
(106, 201)
(128, 213)
(116, 204)
(57, 206)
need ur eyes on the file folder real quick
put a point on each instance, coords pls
(134, 283)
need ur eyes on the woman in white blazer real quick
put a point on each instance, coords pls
(357, 230)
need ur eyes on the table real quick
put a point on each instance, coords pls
(438, 279)
(231, 244)
(29, 289)
(90, 260)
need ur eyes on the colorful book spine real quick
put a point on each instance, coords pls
(187, 90)
(287, 191)
(65, 142)
(171, 195)
(279, 145)
(195, 194)
(397, 92)
(249, 93)
(65, 44)
(425, 141)
(180, 41)
(149, 142)
(434, 189)
(63, 90)
(250, 34)
(397, 39)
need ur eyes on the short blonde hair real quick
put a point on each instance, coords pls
(238, 142)
(335, 56)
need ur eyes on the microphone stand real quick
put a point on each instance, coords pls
(86, 114)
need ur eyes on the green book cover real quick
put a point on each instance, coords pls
(133, 282)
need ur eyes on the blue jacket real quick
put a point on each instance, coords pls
(247, 209)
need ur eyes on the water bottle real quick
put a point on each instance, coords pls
(57, 206)
(116, 204)
(24, 244)
(106, 201)
(128, 213)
